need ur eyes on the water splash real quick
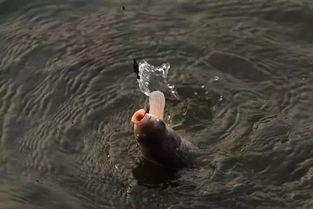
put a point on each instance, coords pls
(151, 78)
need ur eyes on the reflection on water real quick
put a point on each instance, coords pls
(152, 175)
(243, 71)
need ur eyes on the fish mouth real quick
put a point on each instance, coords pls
(157, 103)
(140, 118)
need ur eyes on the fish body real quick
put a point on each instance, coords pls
(157, 141)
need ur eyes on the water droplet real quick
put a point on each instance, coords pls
(216, 78)
(153, 78)
(203, 86)
(129, 189)
(196, 93)
(220, 98)
(205, 192)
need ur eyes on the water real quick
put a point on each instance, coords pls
(151, 78)
(243, 70)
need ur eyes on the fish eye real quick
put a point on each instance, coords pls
(161, 123)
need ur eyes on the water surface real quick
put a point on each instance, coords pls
(243, 70)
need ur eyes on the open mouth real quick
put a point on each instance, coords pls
(138, 116)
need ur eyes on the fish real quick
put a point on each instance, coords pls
(158, 142)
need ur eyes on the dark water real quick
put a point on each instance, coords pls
(243, 70)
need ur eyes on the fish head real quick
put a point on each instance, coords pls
(157, 141)
(149, 130)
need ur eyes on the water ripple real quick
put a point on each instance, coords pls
(243, 71)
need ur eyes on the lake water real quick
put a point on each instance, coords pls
(244, 74)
